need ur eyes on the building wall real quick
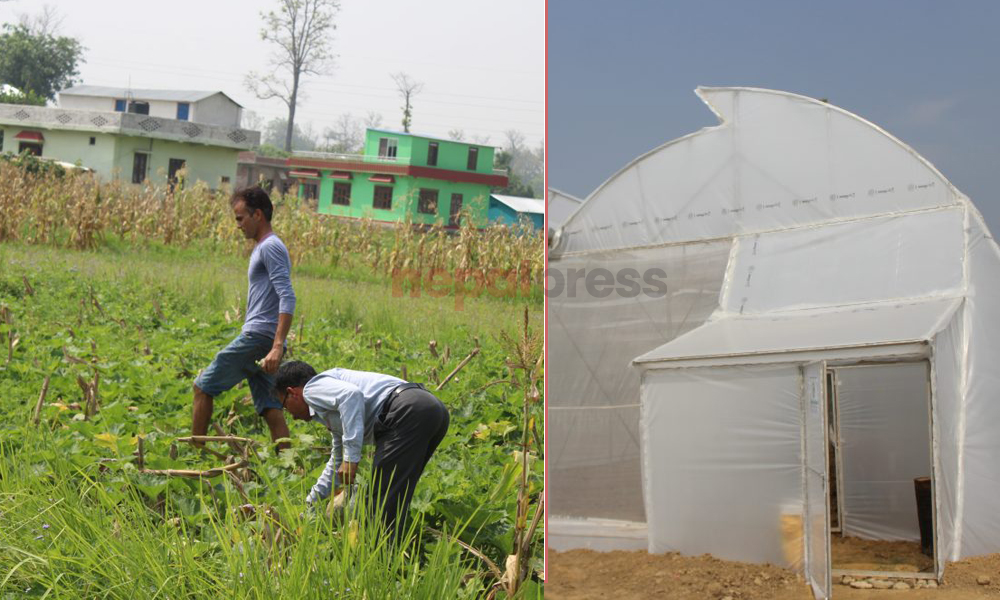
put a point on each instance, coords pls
(69, 146)
(217, 109)
(406, 193)
(157, 108)
(452, 155)
(86, 102)
(403, 148)
(501, 214)
(205, 163)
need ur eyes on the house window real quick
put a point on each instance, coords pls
(383, 197)
(341, 193)
(119, 106)
(473, 159)
(31, 148)
(456, 210)
(432, 154)
(139, 108)
(93, 141)
(182, 111)
(309, 191)
(225, 180)
(174, 165)
(387, 148)
(428, 202)
(139, 167)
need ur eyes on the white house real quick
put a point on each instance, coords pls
(213, 108)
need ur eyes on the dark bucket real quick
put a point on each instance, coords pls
(922, 488)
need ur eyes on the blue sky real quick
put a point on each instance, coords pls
(621, 77)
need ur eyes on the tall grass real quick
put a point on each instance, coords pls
(66, 532)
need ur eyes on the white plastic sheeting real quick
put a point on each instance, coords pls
(817, 329)
(593, 451)
(884, 428)
(817, 508)
(979, 449)
(723, 461)
(946, 399)
(792, 232)
(888, 258)
(559, 206)
(776, 161)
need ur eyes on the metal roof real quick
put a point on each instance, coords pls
(138, 94)
(522, 205)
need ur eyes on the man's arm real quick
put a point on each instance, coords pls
(279, 272)
(273, 358)
(329, 476)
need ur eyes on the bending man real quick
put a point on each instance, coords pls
(270, 305)
(404, 421)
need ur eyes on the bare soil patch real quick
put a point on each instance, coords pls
(871, 555)
(588, 575)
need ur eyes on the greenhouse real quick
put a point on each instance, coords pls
(798, 325)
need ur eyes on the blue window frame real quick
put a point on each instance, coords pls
(182, 111)
(119, 105)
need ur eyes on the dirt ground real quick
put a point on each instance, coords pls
(588, 575)
(868, 555)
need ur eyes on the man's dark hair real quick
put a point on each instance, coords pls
(255, 198)
(293, 374)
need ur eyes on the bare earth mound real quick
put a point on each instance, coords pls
(586, 575)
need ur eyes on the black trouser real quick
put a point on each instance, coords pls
(407, 432)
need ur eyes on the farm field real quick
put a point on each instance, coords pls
(115, 336)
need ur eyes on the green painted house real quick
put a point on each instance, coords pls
(400, 175)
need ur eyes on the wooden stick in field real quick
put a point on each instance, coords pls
(190, 474)
(461, 365)
(41, 400)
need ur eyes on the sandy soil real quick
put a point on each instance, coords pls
(867, 555)
(586, 575)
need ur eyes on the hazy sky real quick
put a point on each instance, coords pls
(482, 64)
(622, 75)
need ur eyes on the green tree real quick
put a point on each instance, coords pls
(12, 97)
(41, 63)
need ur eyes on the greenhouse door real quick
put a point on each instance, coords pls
(884, 428)
(817, 512)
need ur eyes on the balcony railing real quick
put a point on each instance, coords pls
(45, 117)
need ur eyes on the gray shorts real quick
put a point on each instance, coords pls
(238, 361)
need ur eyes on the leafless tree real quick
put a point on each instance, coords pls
(456, 134)
(345, 136)
(251, 120)
(300, 30)
(408, 88)
(47, 22)
(373, 120)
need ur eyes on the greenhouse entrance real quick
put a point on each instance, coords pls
(878, 432)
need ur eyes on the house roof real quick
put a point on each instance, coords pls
(520, 204)
(816, 329)
(139, 94)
